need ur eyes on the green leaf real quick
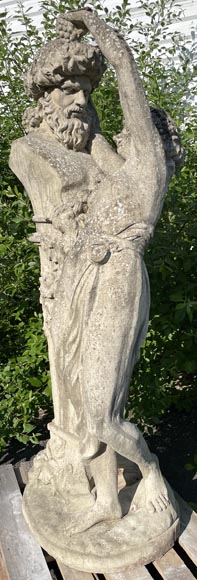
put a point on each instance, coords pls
(176, 297)
(27, 427)
(189, 312)
(34, 381)
(22, 438)
(48, 390)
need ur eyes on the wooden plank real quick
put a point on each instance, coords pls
(22, 554)
(3, 572)
(21, 471)
(169, 563)
(70, 574)
(140, 573)
(188, 538)
(171, 566)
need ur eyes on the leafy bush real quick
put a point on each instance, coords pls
(165, 374)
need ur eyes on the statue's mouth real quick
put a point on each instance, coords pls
(77, 112)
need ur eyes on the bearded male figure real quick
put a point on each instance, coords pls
(95, 210)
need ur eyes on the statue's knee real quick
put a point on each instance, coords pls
(96, 428)
(131, 430)
(102, 429)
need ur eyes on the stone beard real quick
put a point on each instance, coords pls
(70, 125)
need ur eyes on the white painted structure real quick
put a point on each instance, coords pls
(188, 26)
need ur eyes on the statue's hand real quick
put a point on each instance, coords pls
(77, 18)
(71, 25)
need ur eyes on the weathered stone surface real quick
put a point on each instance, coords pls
(95, 210)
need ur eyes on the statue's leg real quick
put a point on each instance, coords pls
(116, 328)
(105, 473)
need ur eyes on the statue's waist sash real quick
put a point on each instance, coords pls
(135, 238)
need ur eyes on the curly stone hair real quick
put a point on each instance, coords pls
(63, 58)
(170, 136)
(173, 148)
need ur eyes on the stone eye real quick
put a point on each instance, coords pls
(70, 91)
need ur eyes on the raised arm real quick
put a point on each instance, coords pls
(133, 101)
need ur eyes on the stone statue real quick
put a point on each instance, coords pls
(96, 498)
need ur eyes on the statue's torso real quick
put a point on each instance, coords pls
(72, 193)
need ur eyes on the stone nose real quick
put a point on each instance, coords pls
(80, 98)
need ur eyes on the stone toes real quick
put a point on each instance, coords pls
(162, 502)
(159, 504)
(151, 507)
(165, 500)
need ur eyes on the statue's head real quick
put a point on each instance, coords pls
(170, 136)
(61, 79)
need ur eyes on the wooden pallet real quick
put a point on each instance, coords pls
(21, 558)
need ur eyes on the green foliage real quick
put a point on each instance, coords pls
(167, 368)
(26, 384)
(192, 466)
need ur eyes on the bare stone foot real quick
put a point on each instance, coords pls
(157, 499)
(82, 521)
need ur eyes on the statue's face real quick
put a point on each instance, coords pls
(73, 95)
(66, 114)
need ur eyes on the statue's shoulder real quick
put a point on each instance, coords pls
(44, 158)
(50, 173)
(38, 147)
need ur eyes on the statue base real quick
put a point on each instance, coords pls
(58, 496)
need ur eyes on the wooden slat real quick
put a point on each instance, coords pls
(171, 566)
(130, 574)
(3, 572)
(188, 537)
(10, 497)
(70, 574)
(22, 555)
(21, 471)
